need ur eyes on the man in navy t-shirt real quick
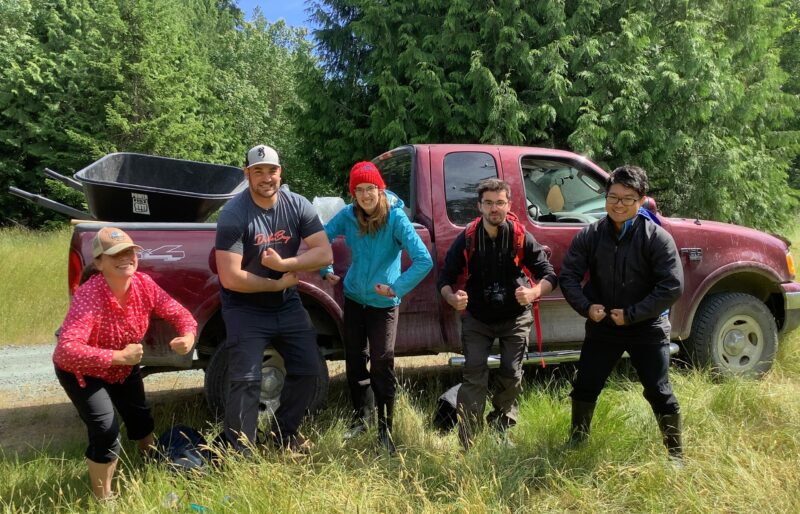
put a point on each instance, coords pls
(258, 234)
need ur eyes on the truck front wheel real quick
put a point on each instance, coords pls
(734, 334)
(273, 373)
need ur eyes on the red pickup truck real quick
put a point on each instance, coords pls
(739, 291)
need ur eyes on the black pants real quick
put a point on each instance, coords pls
(249, 330)
(651, 361)
(96, 403)
(369, 335)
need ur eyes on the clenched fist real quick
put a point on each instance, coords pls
(129, 356)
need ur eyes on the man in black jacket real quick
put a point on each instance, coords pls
(635, 275)
(497, 298)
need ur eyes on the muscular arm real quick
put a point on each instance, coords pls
(318, 255)
(234, 278)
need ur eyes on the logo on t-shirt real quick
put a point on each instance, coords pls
(277, 237)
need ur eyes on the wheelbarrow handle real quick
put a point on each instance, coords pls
(50, 204)
(71, 182)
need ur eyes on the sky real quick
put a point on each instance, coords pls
(292, 11)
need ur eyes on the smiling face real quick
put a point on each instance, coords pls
(120, 266)
(264, 180)
(367, 196)
(616, 198)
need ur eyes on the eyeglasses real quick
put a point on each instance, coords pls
(499, 203)
(367, 190)
(627, 201)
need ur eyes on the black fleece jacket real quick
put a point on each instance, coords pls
(640, 273)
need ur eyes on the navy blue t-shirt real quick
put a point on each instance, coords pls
(247, 229)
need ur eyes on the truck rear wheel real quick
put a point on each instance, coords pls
(734, 334)
(273, 373)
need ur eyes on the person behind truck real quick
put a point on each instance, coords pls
(99, 348)
(635, 275)
(497, 301)
(258, 234)
(376, 230)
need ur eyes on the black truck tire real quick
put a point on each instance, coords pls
(734, 334)
(273, 374)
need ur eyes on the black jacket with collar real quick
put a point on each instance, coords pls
(492, 263)
(640, 273)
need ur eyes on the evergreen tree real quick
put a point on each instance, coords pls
(692, 91)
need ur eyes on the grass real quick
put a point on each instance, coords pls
(742, 445)
(742, 441)
(33, 284)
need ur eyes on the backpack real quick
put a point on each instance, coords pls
(183, 448)
(518, 245)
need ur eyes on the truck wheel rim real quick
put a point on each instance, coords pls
(271, 384)
(741, 342)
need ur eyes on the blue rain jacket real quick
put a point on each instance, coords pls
(376, 258)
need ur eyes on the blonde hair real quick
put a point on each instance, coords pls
(369, 224)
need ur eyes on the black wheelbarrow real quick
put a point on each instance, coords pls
(136, 187)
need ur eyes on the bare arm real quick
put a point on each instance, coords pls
(233, 277)
(318, 255)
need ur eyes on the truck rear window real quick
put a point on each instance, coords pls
(463, 171)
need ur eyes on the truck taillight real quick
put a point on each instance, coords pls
(74, 269)
(790, 264)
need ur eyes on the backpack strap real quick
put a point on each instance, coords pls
(519, 251)
(469, 244)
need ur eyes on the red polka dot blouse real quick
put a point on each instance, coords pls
(96, 325)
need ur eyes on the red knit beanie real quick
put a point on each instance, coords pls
(365, 172)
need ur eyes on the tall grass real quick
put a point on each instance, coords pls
(33, 284)
(742, 442)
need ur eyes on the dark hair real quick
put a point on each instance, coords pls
(630, 176)
(495, 185)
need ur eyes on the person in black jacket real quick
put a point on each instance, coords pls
(497, 298)
(635, 275)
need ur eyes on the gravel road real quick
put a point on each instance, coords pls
(28, 369)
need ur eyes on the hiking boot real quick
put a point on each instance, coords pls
(357, 427)
(500, 421)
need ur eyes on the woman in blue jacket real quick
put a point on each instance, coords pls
(376, 230)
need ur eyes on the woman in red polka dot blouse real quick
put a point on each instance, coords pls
(99, 349)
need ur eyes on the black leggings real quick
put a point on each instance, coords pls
(369, 334)
(96, 403)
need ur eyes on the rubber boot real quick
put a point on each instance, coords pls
(670, 425)
(582, 413)
(385, 415)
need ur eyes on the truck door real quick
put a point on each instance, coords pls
(556, 194)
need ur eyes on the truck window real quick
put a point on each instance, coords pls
(559, 192)
(397, 169)
(463, 171)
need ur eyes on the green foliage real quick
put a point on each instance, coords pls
(692, 91)
(179, 78)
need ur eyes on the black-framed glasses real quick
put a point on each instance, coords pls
(366, 190)
(499, 203)
(627, 201)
